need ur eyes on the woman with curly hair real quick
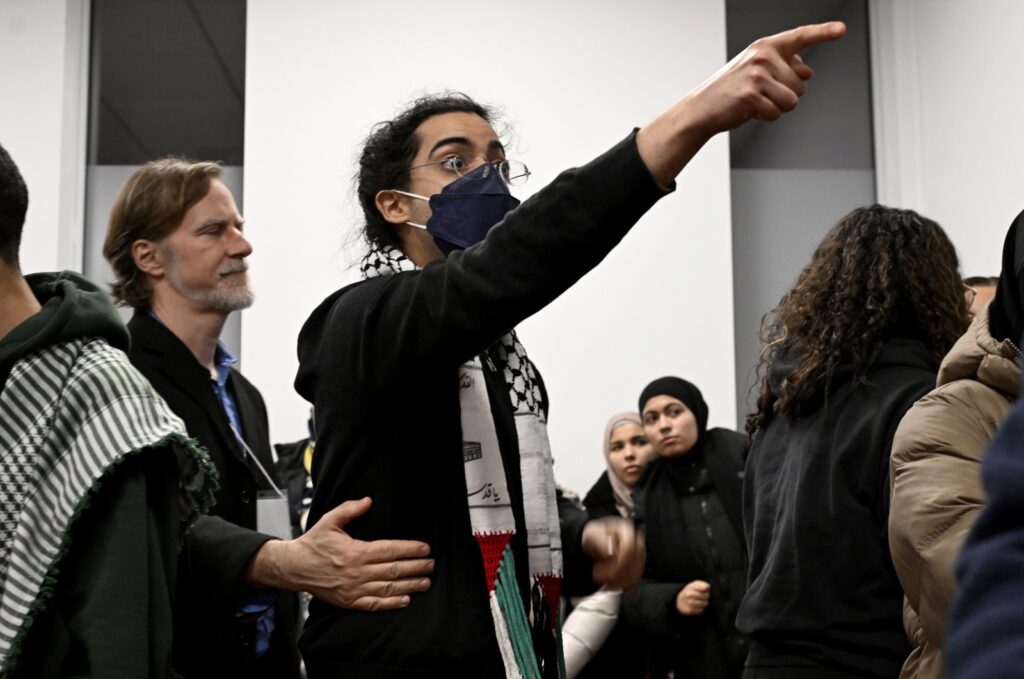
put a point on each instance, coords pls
(847, 352)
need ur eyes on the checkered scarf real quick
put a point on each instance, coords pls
(528, 649)
(71, 413)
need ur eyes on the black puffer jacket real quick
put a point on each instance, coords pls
(690, 510)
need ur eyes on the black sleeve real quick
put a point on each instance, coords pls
(214, 555)
(441, 316)
(651, 607)
(578, 570)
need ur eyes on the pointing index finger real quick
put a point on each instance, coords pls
(798, 39)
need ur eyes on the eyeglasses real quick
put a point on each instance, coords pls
(512, 172)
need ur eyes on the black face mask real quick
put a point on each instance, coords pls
(466, 209)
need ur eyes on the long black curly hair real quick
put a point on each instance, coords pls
(880, 273)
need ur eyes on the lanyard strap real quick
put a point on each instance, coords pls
(259, 464)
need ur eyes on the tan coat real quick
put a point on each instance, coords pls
(936, 482)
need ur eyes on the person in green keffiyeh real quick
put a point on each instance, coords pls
(98, 480)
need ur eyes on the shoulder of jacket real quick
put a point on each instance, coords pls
(957, 416)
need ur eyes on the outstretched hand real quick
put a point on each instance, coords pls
(617, 550)
(761, 82)
(335, 567)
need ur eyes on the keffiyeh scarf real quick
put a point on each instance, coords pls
(71, 413)
(530, 643)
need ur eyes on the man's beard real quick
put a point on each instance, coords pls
(222, 297)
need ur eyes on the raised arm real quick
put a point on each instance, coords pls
(452, 310)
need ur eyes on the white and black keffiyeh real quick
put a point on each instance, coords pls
(490, 507)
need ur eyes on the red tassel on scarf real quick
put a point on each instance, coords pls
(492, 546)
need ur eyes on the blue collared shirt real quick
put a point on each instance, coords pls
(222, 362)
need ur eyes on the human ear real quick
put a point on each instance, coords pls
(392, 206)
(148, 258)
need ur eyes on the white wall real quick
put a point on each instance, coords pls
(43, 61)
(949, 92)
(574, 78)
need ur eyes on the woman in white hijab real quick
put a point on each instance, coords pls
(586, 631)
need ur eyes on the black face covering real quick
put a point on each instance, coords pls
(1006, 311)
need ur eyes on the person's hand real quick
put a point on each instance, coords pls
(761, 82)
(617, 550)
(694, 598)
(334, 567)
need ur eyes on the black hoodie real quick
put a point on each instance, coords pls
(822, 589)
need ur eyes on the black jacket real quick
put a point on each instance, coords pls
(209, 640)
(379, 362)
(822, 588)
(706, 645)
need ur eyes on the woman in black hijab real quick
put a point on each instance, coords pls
(689, 503)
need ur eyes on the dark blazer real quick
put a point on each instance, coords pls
(210, 640)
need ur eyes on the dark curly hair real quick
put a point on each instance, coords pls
(391, 146)
(880, 273)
